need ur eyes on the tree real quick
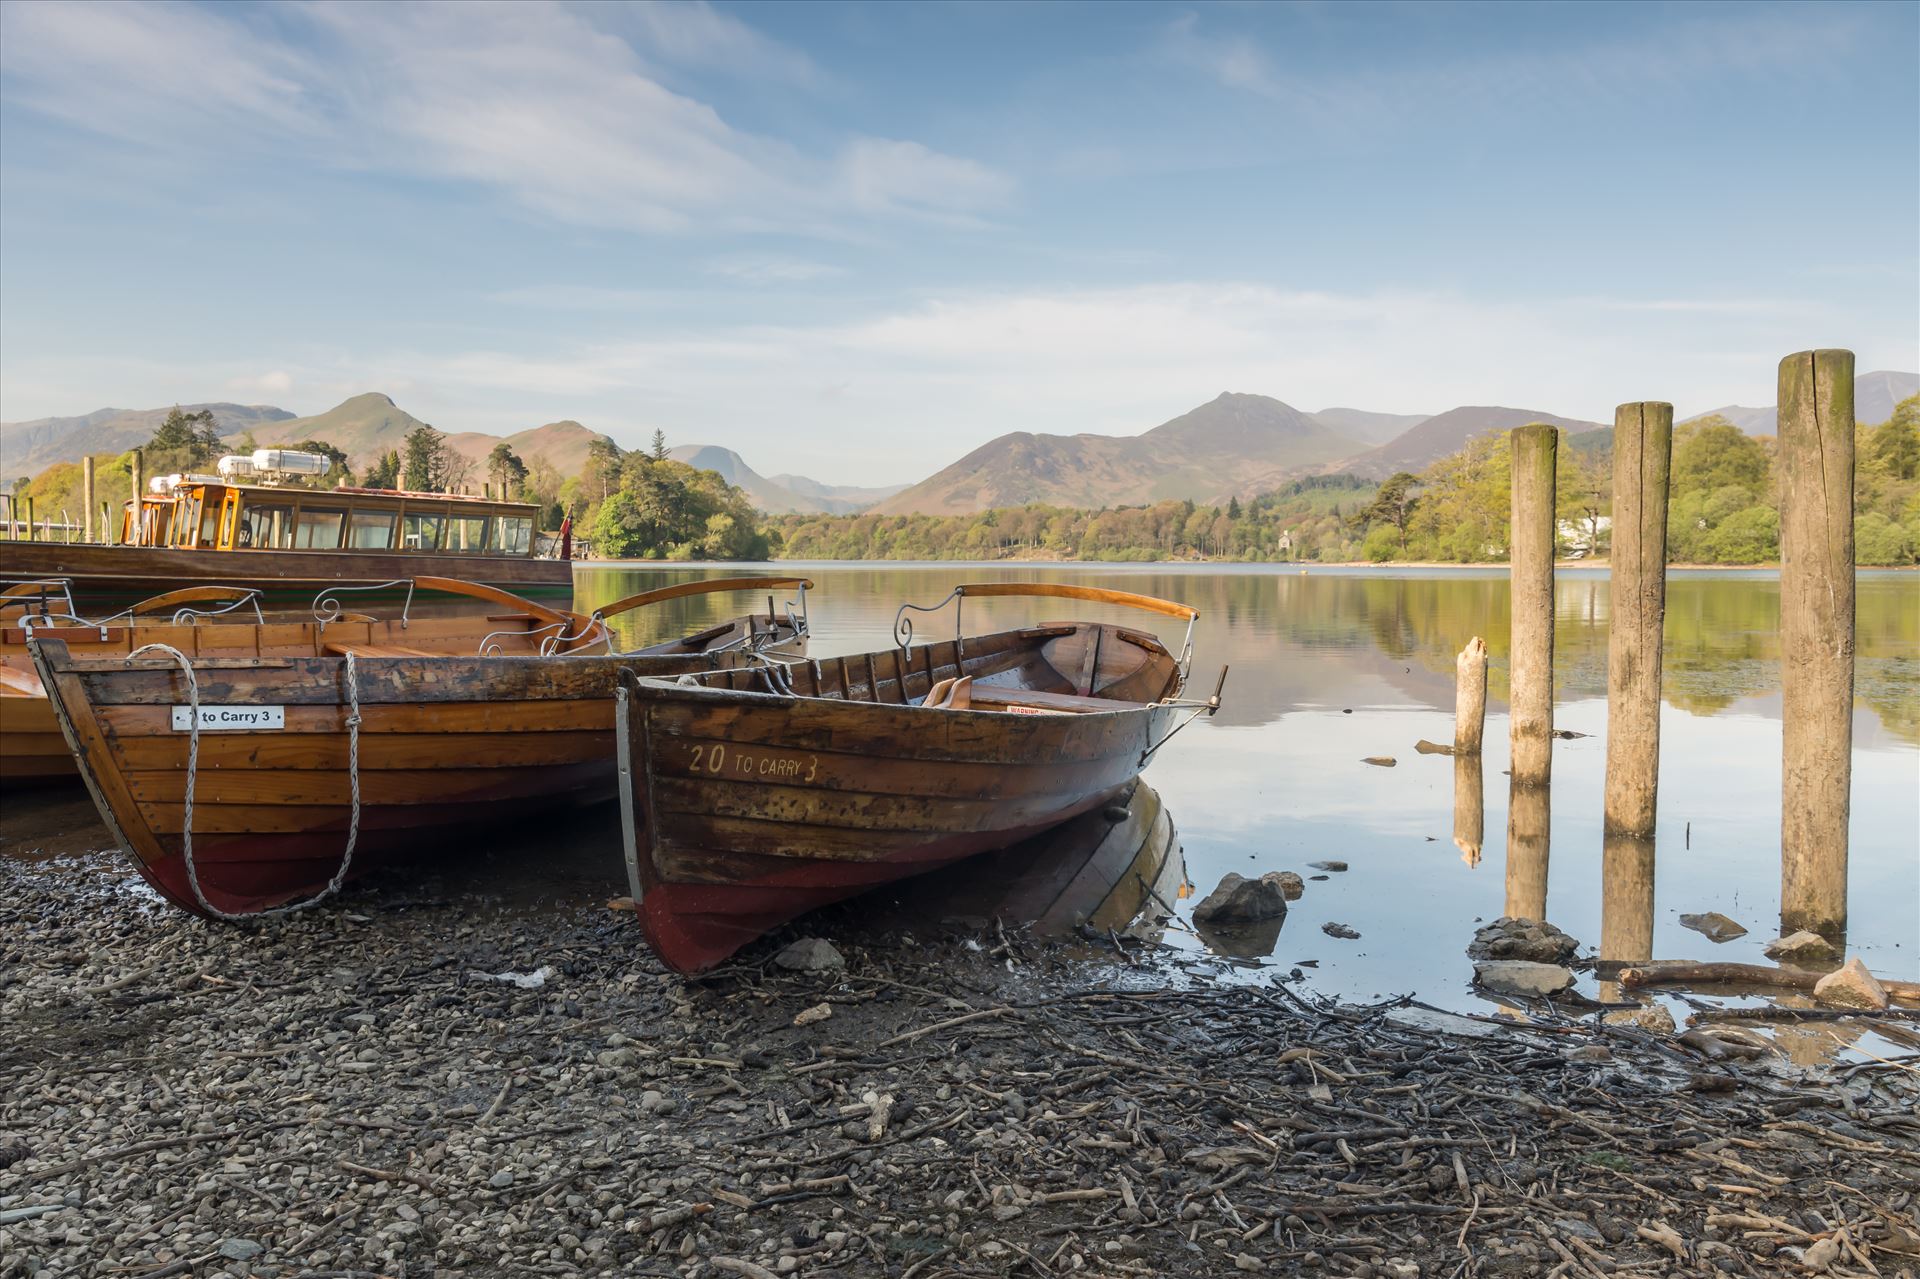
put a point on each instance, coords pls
(429, 464)
(1393, 504)
(1896, 442)
(385, 473)
(184, 439)
(603, 465)
(505, 469)
(1710, 453)
(659, 445)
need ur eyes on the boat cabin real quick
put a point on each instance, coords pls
(211, 513)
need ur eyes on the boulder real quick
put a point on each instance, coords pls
(1800, 947)
(1850, 986)
(1522, 978)
(1238, 900)
(1522, 939)
(1291, 885)
(811, 955)
(1713, 926)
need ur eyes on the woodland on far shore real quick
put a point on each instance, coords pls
(1723, 509)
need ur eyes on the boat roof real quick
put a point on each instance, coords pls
(348, 490)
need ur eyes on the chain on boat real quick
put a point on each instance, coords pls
(193, 767)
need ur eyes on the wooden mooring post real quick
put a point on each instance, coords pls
(1470, 697)
(86, 498)
(1816, 637)
(1642, 454)
(1530, 569)
(135, 468)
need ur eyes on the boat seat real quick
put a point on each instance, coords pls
(337, 648)
(996, 697)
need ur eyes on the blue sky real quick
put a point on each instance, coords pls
(856, 241)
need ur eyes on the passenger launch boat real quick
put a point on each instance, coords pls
(248, 765)
(752, 796)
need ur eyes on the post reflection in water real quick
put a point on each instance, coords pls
(1469, 807)
(1528, 814)
(1626, 904)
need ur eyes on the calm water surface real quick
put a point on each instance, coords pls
(1331, 666)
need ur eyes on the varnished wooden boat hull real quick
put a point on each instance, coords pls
(107, 576)
(748, 808)
(448, 745)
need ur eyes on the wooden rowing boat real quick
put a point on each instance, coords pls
(749, 800)
(334, 734)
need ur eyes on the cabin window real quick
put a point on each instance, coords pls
(515, 535)
(266, 527)
(209, 521)
(318, 529)
(420, 532)
(467, 533)
(370, 530)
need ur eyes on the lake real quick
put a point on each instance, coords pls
(1330, 666)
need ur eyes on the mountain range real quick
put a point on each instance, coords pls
(1235, 445)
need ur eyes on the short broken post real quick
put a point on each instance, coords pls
(1470, 697)
(86, 498)
(1642, 453)
(1816, 638)
(1530, 570)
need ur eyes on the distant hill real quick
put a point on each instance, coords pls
(363, 428)
(1447, 433)
(1368, 427)
(562, 444)
(1232, 445)
(781, 494)
(27, 448)
(1874, 395)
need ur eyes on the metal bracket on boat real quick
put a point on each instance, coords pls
(192, 616)
(903, 625)
(25, 592)
(328, 609)
(1209, 708)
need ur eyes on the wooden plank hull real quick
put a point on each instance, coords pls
(448, 746)
(107, 576)
(747, 809)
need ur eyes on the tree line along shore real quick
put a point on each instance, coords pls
(640, 504)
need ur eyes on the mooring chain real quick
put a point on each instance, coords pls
(193, 768)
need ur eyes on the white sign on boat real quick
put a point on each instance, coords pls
(215, 719)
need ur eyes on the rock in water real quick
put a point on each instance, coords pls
(1713, 926)
(1524, 939)
(1802, 945)
(1291, 885)
(1380, 761)
(1238, 900)
(811, 955)
(1520, 977)
(1332, 866)
(1850, 986)
(1341, 931)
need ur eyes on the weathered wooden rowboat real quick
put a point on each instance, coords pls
(747, 804)
(309, 764)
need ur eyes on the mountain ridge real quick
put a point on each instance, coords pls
(29, 447)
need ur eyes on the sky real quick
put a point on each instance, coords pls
(857, 241)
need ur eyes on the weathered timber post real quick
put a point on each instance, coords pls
(1642, 453)
(1530, 569)
(1816, 637)
(1469, 806)
(32, 535)
(135, 468)
(1470, 697)
(1529, 815)
(86, 498)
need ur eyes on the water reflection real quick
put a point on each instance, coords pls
(1529, 819)
(1469, 807)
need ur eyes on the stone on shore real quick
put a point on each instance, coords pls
(1654, 1018)
(1238, 900)
(1523, 939)
(811, 955)
(1803, 945)
(1522, 977)
(1851, 986)
(1713, 926)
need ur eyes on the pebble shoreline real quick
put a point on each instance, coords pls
(357, 1091)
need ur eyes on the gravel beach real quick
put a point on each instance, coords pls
(448, 1081)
